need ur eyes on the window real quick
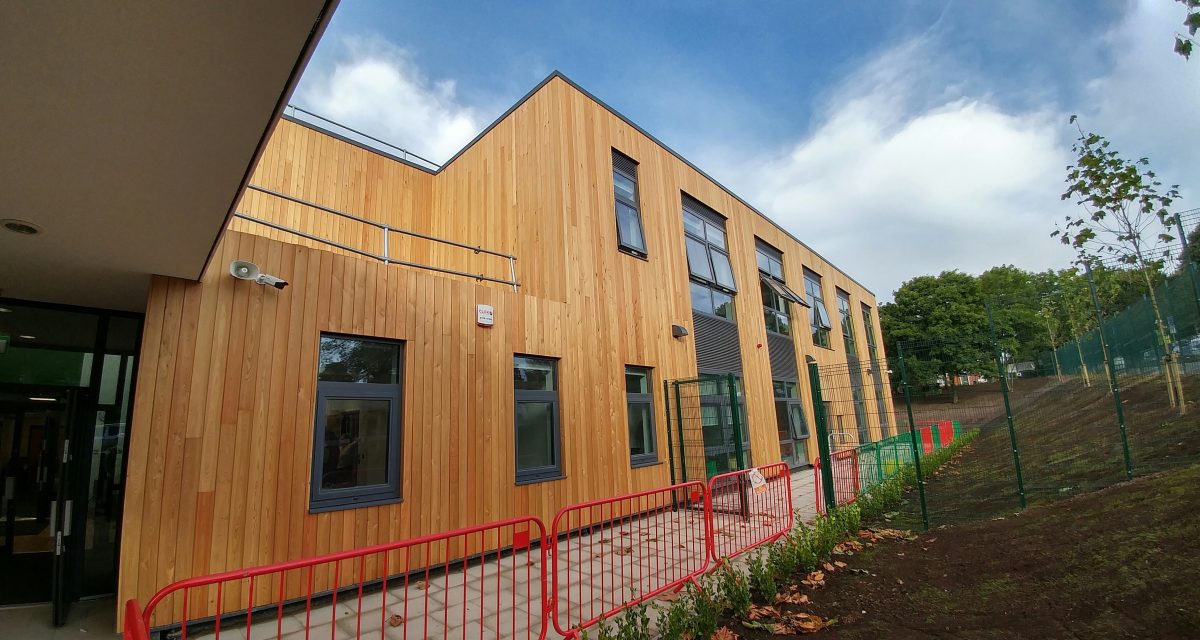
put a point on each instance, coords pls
(630, 238)
(708, 260)
(535, 390)
(789, 412)
(860, 415)
(643, 449)
(818, 317)
(847, 323)
(356, 443)
(775, 294)
(869, 327)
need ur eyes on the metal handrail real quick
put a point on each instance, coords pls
(386, 257)
(406, 153)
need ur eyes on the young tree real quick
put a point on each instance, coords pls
(1126, 222)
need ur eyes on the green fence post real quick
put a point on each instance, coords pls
(912, 437)
(670, 440)
(1191, 267)
(737, 425)
(1012, 430)
(1112, 375)
(878, 464)
(823, 453)
(679, 426)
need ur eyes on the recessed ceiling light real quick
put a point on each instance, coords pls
(22, 227)
(28, 337)
(38, 399)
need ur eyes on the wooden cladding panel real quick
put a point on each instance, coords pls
(220, 450)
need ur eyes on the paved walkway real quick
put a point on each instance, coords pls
(500, 598)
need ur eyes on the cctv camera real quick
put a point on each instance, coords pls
(278, 283)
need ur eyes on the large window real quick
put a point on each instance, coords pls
(708, 260)
(818, 317)
(775, 294)
(847, 321)
(639, 397)
(356, 447)
(869, 328)
(793, 429)
(629, 216)
(535, 389)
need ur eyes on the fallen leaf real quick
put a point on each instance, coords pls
(839, 564)
(791, 598)
(395, 620)
(828, 567)
(931, 540)
(724, 633)
(624, 551)
(759, 613)
(422, 585)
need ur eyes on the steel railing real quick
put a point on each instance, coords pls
(386, 230)
(405, 154)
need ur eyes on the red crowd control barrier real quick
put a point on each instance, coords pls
(748, 510)
(845, 478)
(485, 581)
(946, 432)
(134, 628)
(613, 553)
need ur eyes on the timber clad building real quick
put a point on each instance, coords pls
(471, 342)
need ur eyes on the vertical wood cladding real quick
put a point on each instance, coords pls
(220, 449)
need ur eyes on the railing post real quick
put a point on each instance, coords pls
(679, 425)
(1008, 414)
(670, 440)
(912, 436)
(823, 454)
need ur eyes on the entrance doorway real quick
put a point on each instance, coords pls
(66, 389)
(706, 427)
(34, 424)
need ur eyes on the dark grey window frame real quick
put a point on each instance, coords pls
(789, 402)
(325, 500)
(869, 328)
(846, 315)
(545, 473)
(627, 167)
(647, 399)
(701, 242)
(817, 311)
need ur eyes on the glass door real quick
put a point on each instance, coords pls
(33, 432)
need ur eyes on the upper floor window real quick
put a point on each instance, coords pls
(712, 286)
(847, 322)
(869, 328)
(707, 253)
(818, 317)
(775, 294)
(535, 391)
(356, 443)
(639, 399)
(629, 215)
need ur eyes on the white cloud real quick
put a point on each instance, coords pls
(376, 87)
(905, 174)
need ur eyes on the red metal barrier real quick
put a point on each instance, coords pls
(845, 478)
(135, 628)
(745, 513)
(485, 581)
(946, 432)
(613, 553)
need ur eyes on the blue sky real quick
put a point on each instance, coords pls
(896, 138)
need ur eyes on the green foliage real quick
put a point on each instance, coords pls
(734, 588)
(762, 577)
(782, 558)
(675, 618)
(634, 623)
(1191, 22)
(887, 495)
(706, 613)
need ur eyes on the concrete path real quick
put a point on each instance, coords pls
(599, 566)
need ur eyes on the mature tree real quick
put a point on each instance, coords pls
(1126, 223)
(1191, 22)
(941, 325)
(1016, 297)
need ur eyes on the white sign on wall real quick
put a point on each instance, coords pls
(484, 315)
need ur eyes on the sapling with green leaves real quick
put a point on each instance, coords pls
(1126, 220)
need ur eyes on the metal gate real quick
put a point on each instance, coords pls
(706, 427)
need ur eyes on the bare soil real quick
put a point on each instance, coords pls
(1115, 563)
